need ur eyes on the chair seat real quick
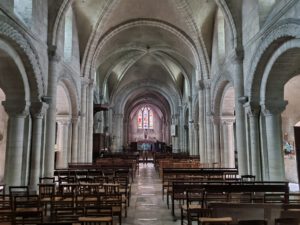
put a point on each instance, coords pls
(184, 207)
(215, 219)
(95, 219)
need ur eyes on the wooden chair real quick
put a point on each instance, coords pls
(27, 209)
(64, 209)
(46, 180)
(115, 201)
(252, 222)
(215, 220)
(287, 221)
(46, 193)
(192, 210)
(5, 209)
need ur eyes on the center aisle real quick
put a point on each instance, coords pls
(146, 204)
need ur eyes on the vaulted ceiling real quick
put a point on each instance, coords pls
(156, 42)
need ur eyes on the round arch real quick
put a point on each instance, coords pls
(282, 32)
(29, 58)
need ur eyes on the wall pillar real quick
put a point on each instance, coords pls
(209, 138)
(272, 112)
(75, 121)
(90, 122)
(83, 114)
(175, 144)
(255, 153)
(196, 140)
(191, 128)
(217, 148)
(38, 110)
(228, 137)
(201, 122)
(17, 111)
(63, 123)
(54, 67)
(238, 77)
(118, 131)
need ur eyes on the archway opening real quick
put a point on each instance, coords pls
(290, 118)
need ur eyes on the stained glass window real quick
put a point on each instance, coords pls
(145, 118)
(140, 118)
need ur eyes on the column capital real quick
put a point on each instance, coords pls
(38, 109)
(228, 120)
(63, 119)
(243, 99)
(52, 54)
(16, 108)
(252, 109)
(273, 107)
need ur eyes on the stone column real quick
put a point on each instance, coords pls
(38, 110)
(196, 137)
(217, 149)
(75, 121)
(54, 67)
(201, 122)
(82, 150)
(228, 142)
(272, 112)
(90, 122)
(17, 111)
(209, 138)
(255, 153)
(118, 131)
(175, 138)
(191, 128)
(62, 141)
(238, 77)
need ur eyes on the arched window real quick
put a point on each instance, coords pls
(145, 118)
(68, 39)
(23, 10)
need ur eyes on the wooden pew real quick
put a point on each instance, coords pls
(178, 188)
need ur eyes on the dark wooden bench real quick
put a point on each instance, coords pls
(227, 188)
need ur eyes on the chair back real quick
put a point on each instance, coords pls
(18, 191)
(47, 180)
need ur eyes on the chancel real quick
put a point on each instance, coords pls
(149, 112)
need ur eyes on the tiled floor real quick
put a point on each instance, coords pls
(147, 206)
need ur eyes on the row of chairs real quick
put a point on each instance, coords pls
(66, 201)
(194, 208)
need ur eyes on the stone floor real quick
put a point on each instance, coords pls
(146, 204)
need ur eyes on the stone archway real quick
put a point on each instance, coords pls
(281, 67)
(15, 86)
